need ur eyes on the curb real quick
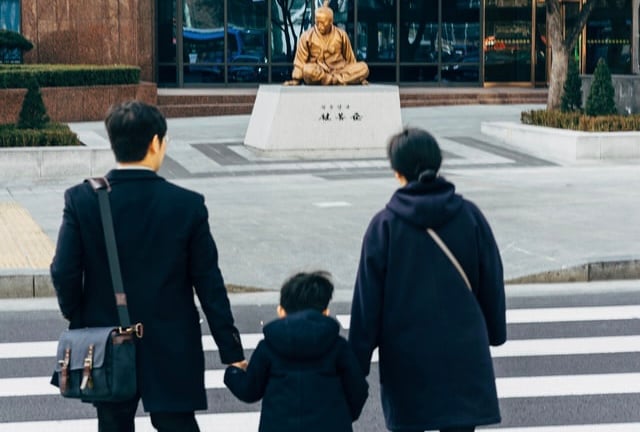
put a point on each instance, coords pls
(25, 284)
(589, 272)
(37, 283)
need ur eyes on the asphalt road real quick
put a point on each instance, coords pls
(560, 367)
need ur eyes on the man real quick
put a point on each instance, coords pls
(324, 55)
(166, 250)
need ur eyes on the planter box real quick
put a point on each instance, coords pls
(72, 104)
(565, 145)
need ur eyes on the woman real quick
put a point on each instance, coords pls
(410, 301)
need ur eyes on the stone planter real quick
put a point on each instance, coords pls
(565, 146)
(72, 104)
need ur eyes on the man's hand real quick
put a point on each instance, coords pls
(241, 364)
(293, 82)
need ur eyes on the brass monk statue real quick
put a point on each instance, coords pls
(324, 55)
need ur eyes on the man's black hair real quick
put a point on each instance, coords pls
(306, 291)
(131, 127)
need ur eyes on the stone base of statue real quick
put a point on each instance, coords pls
(324, 121)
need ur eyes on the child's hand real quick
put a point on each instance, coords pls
(241, 364)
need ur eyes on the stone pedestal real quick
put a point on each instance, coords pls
(324, 121)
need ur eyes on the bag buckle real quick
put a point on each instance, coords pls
(86, 373)
(136, 329)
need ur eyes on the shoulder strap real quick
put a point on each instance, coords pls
(449, 255)
(102, 187)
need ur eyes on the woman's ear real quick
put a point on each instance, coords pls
(401, 179)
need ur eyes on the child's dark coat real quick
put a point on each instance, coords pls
(305, 373)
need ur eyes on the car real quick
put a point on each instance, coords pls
(466, 69)
(248, 68)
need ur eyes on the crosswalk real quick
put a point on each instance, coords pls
(596, 332)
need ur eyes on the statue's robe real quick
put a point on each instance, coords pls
(327, 59)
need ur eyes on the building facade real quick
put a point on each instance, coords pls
(200, 43)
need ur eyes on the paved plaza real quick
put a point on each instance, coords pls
(272, 216)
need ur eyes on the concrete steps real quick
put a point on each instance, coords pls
(216, 102)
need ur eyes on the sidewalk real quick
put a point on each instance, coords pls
(547, 217)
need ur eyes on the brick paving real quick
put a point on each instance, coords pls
(23, 244)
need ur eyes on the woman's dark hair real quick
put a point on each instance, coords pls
(415, 154)
(306, 291)
(131, 127)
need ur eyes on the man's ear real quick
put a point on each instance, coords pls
(326, 312)
(281, 312)
(154, 145)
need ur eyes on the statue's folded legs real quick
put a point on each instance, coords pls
(353, 73)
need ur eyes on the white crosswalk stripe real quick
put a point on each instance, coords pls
(560, 385)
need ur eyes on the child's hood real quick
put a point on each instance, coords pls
(302, 335)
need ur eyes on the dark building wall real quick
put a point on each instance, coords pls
(91, 32)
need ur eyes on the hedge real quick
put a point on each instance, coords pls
(55, 134)
(581, 122)
(17, 76)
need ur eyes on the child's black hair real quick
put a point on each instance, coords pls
(306, 291)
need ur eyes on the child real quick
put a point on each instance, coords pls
(303, 370)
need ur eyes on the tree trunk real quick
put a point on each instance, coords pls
(559, 68)
(559, 55)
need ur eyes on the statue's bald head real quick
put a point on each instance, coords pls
(325, 10)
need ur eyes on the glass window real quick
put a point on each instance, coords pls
(247, 41)
(461, 41)
(609, 36)
(289, 19)
(10, 15)
(507, 41)
(377, 31)
(419, 73)
(167, 39)
(10, 20)
(203, 41)
(419, 31)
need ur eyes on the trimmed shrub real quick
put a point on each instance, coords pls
(601, 95)
(16, 76)
(33, 114)
(12, 45)
(55, 134)
(13, 40)
(581, 122)
(572, 94)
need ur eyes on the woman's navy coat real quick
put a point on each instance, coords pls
(410, 301)
(305, 373)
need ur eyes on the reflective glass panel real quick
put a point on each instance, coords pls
(419, 31)
(203, 41)
(289, 19)
(541, 43)
(609, 36)
(247, 41)
(377, 31)
(507, 41)
(10, 15)
(461, 41)
(419, 73)
(379, 74)
(167, 43)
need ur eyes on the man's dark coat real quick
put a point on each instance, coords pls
(305, 374)
(166, 250)
(433, 334)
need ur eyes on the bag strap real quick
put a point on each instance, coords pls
(449, 255)
(102, 187)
